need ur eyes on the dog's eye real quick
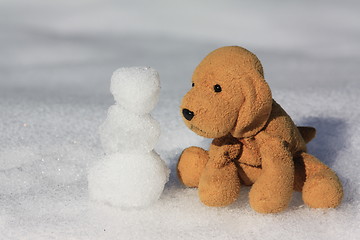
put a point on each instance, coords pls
(217, 88)
(193, 84)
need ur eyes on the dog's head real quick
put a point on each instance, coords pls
(229, 95)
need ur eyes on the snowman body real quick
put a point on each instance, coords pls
(131, 174)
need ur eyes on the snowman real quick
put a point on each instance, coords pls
(131, 174)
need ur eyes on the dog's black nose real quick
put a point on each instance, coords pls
(188, 114)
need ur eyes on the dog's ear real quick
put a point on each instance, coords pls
(256, 108)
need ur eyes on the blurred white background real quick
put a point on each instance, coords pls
(60, 47)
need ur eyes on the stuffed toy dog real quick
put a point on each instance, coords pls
(255, 141)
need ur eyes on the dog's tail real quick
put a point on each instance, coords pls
(308, 133)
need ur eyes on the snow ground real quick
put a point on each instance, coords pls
(56, 61)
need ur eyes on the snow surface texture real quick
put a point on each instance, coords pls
(131, 174)
(56, 60)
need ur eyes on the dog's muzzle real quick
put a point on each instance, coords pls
(188, 115)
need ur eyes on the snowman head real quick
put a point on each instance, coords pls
(136, 88)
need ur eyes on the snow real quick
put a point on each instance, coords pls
(136, 88)
(128, 180)
(131, 174)
(129, 127)
(56, 61)
(125, 131)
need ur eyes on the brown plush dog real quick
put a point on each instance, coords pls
(256, 143)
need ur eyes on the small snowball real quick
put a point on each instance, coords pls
(128, 180)
(136, 88)
(123, 131)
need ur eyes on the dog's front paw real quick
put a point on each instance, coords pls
(265, 199)
(219, 186)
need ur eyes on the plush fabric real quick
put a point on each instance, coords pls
(255, 141)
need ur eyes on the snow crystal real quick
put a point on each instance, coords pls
(59, 171)
(16, 181)
(15, 176)
(12, 158)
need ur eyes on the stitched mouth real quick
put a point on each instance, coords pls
(192, 127)
(254, 166)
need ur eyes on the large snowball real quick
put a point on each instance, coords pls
(123, 131)
(128, 180)
(136, 88)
